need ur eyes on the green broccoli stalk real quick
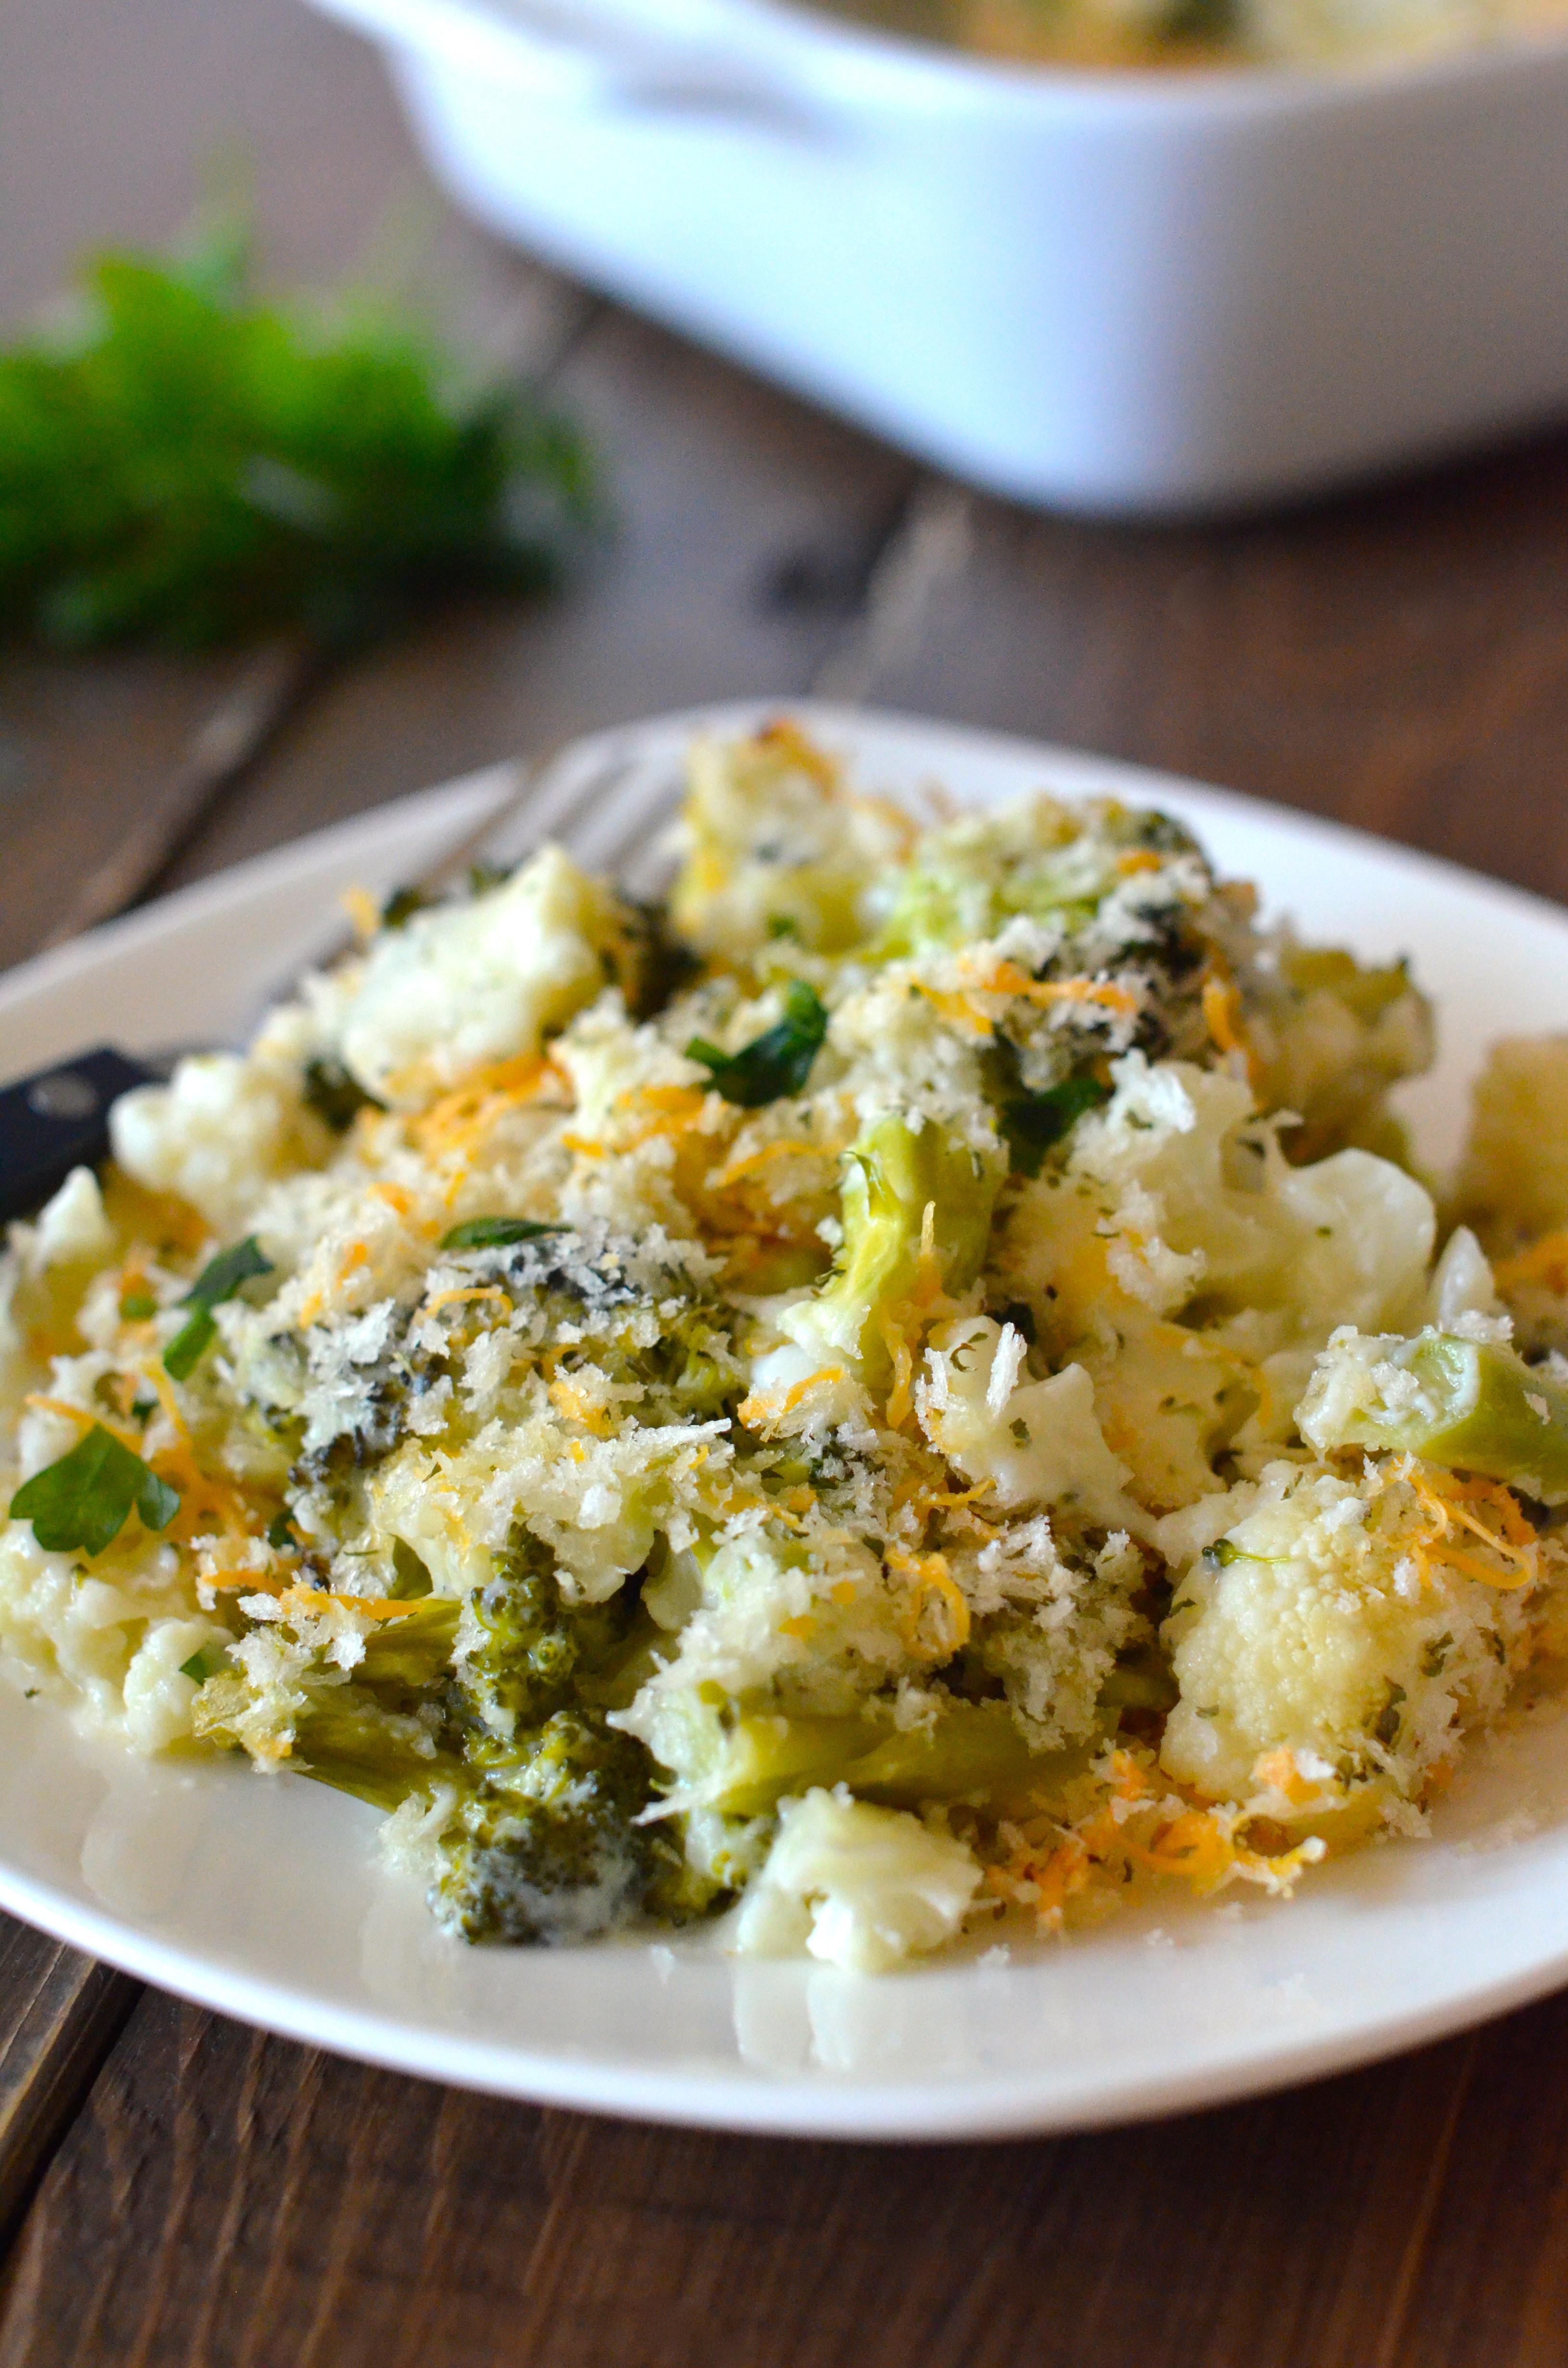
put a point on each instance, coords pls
(1474, 1407)
(970, 1751)
(892, 1175)
(362, 1733)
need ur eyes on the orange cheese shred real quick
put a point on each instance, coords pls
(1221, 1017)
(574, 1401)
(439, 1298)
(1545, 1263)
(84, 1419)
(931, 1585)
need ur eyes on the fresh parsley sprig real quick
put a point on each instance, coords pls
(219, 1280)
(194, 466)
(80, 1504)
(775, 1064)
(495, 1233)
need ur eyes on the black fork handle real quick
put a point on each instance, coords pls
(57, 1120)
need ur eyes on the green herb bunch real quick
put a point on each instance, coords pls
(194, 466)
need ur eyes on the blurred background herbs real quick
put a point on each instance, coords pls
(183, 463)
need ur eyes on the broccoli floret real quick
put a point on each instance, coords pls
(545, 1846)
(543, 1841)
(533, 1646)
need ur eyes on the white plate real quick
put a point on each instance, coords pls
(262, 1897)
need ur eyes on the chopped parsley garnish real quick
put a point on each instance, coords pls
(190, 464)
(205, 1664)
(1031, 1123)
(219, 1278)
(775, 1064)
(1385, 1729)
(496, 1232)
(402, 906)
(1435, 1658)
(335, 1097)
(81, 1504)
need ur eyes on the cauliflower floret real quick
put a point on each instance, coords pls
(858, 1886)
(1513, 1182)
(775, 843)
(71, 1229)
(82, 1635)
(223, 1129)
(1195, 1274)
(1308, 1629)
(480, 982)
(1037, 1442)
(1358, 1234)
(1463, 1296)
(1204, 1197)
(41, 1277)
(158, 1692)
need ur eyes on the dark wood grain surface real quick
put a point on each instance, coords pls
(175, 2189)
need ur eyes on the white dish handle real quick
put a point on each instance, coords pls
(586, 54)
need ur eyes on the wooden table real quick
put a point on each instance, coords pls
(181, 2190)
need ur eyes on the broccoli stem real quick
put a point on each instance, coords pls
(892, 1175)
(1481, 1409)
(972, 1752)
(346, 1739)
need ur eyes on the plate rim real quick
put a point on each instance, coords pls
(842, 2108)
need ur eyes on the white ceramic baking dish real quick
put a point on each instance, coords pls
(1110, 291)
